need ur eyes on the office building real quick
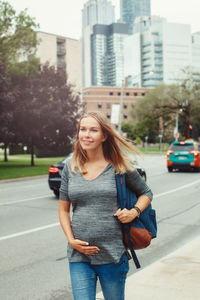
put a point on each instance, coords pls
(107, 55)
(61, 52)
(131, 9)
(97, 12)
(196, 52)
(159, 53)
(93, 12)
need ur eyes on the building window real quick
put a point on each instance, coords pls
(108, 105)
(99, 105)
(125, 116)
(125, 105)
(119, 93)
(108, 116)
(143, 94)
(111, 93)
(127, 94)
(135, 94)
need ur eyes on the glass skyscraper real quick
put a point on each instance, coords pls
(131, 9)
(107, 48)
(93, 12)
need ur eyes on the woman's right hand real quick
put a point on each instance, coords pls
(84, 247)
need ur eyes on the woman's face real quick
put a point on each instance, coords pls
(90, 134)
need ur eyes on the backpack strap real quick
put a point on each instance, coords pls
(121, 194)
(134, 256)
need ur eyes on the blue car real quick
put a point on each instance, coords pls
(184, 155)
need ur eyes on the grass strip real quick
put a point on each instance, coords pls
(19, 166)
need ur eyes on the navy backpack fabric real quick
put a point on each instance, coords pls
(138, 233)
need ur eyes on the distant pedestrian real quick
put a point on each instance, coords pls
(95, 238)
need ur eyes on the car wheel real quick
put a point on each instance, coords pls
(56, 193)
(170, 169)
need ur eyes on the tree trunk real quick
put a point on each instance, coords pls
(5, 152)
(32, 155)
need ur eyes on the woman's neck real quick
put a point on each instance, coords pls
(96, 155)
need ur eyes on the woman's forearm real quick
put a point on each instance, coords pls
(142, 202)
(65, 222)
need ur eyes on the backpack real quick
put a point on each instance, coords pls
(139, 232)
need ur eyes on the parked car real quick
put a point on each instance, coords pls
(184, 155)
(55, 172)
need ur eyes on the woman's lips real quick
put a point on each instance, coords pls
(87, 142)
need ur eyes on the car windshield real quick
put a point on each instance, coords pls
(182, 147)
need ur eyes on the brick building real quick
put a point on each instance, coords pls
(102, 98)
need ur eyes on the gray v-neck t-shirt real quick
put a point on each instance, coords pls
(94, 203)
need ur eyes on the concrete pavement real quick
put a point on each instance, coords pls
(174, 277)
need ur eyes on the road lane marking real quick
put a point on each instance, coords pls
(57, 224)
(177, 189)
(30, 199)
(6, 187)
(28, 231)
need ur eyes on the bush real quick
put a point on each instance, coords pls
(17, 149)
(53, 151)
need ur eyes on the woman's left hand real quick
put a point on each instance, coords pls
(125, 215)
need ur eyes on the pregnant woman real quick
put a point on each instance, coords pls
(95, 240)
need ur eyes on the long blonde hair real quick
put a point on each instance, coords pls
(115, 148)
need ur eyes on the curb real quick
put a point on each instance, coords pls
(22, 178)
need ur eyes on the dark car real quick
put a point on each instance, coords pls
(184, 155)
(55, 172)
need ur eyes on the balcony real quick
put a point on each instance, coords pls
(61, 51)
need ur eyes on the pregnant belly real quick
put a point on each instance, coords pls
(95, 231)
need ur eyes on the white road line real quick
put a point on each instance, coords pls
(57, 224)
(28, 231)
(30, 199)
(177, 189)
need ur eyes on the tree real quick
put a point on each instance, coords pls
(128, 128)
(17, 43)
(46, 109)
(6, 117)
(162, 104)
(17, 35)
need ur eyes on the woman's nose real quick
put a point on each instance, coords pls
(87, 133)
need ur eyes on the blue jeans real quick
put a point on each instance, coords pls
(112, 278)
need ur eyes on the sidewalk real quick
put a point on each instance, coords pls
(174, 277)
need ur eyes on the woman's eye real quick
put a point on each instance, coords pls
(82, 129)
(94, 130)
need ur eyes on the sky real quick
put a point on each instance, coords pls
(63, 17)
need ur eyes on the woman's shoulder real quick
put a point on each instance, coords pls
(67, 166)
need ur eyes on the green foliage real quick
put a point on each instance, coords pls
(156, 112)
(137, 141)
(21, 70)
(129, 129)
(17, 36)
(147, 128)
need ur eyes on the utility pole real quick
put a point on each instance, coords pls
(176, 128)
(121, 109)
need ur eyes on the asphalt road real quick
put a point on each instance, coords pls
(33, 262)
